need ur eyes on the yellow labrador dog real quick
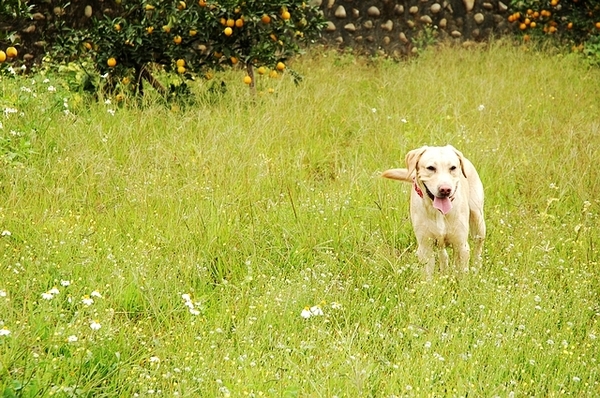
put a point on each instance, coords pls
(446, 203)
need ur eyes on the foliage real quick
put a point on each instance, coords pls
(13, 9)
(196, 37)
(574, 20)
(591, 49)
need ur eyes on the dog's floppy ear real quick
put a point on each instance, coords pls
(412, 159)
(397, 174)
(460, 158)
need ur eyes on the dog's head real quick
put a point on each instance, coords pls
(437, 170)
(428, 160)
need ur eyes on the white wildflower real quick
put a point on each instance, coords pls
(47, 296)
(95, 325)
(306, 313)
(316, 310)
(87, 300)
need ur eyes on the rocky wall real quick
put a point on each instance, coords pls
(399, 27)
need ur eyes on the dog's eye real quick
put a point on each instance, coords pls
(431, 168)
(452, 168)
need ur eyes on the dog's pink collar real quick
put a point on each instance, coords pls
(417, 188)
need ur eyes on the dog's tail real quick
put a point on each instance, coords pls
(397, 174)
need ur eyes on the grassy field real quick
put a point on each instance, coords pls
(156, 251)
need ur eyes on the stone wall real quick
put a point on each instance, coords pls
(397, 27)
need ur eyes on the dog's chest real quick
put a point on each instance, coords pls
(428, 221)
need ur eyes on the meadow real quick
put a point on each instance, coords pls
(246, 245)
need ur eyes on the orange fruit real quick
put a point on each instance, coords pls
(111, 62)
(285, 15)
(273, 74)
(554, 3)
(181, 5)
(87, 45)
(117, 27)
(570, 25)
(180, 62)
(193, 32)
(228, 31)
(280, 66)
(247, 79)
(552, 29)
(234, 60)
(177, 39)
(230, 23)
(597, 27)
(533, 25)
(181, 70)
(202, 3)
(527, 21)
(239, 22)
(2, 56)
(265, 19)
(526, 37)
(522, 26)
(261, 70)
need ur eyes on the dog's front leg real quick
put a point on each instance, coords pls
(426, 256)
(461, 256)
(443, 255)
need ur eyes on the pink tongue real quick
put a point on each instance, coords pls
(442, 204)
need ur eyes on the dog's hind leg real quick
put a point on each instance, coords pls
(477, 231)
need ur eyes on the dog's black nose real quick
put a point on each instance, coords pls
(445, 191)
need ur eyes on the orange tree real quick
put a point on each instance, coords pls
(575, 20)
(193, 37)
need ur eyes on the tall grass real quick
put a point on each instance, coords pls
(157, 251)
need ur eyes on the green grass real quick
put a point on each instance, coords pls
(259, 207)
